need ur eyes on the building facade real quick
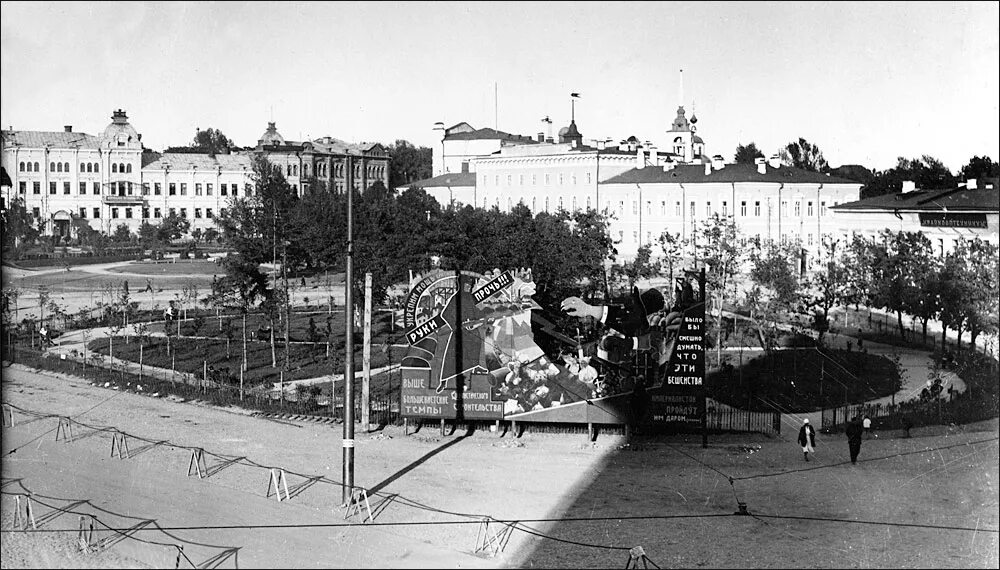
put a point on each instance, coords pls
(766, 200)
(944, 216)
(111, 179)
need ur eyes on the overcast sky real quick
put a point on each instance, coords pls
(867, 82)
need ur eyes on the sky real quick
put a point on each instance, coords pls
(867, 82)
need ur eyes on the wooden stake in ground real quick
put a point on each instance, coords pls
(366, 355)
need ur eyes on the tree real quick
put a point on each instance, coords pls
(829, 286)
(642, 266)
(673, 247)
(803, 154)
(122, 234)
(717, 247)
(898, 259)
(854, 172)
(212, 141)
(240, 289)
(927, 173)
(172, 227)
(18, 227)
(211, 235)
(774, 288)
(747, 154)
(409, 163)
(197, 235)
(148, 234)
(979, 168)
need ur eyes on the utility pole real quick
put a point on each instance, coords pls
(348, 441)
(288, 301)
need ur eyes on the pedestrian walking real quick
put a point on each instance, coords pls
(807, 438)
(867, 424)
(854, 433)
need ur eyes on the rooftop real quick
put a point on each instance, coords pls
(189, 161)
(691, 173)
(51, 139)
(453, 179)
(956, 199)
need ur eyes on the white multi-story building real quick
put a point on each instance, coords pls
(111, 179)
(67, 174)
(462, 143)
(968, 212)
(768, 201)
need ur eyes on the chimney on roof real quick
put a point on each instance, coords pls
(654, 156)
(601, 145)
(909, 186)
(971, 184)
(541, 137)
(774, 161)
(668, 165)
(761, 165)
(640, 161)
(550, 140)
(718, 162)
(68, 128)
(708, 168)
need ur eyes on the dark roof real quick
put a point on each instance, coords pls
(4, 178)
(690, 173)
(957, 199)
(57, 139)
(453, 179)
(487, 134)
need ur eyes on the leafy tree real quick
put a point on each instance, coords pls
(979, 168)
(172, 227)
(642, 266)
(211, 235)
(18, 226)
(197, 235)
(803, 154)
(774, 287)
(409, 163)
(212, 141)
(854, 172)
(747, 154)
(717, 247)
(240, 289)
(673, 248)
(898, 258)
(927, 173)
(148, 234)
(122, 234)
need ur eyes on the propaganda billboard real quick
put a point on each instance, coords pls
(681, 396)
(471, 353)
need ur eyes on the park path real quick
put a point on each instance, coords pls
(915, 365)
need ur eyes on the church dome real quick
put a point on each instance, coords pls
(271, 136)
(120, 133)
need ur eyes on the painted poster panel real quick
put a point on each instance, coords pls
(681, 397)
(472, 354)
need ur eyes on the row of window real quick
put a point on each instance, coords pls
(744, 240)
(709, 211)
(62, 167)
(371, 171)
(157, 213)
(534, 179)
(124, 188)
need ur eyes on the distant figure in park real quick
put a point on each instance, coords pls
(149, 285)
(867, 424)
(807, 438)
(854, 433)
(43, 333)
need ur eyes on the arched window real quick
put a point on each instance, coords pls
(97, 166)
(114, 168)
(65, 167)
(83, 167)
(128, 168)
(90, 167)
(36, 167)
(52, 167)
(21, 167)
(121, 167)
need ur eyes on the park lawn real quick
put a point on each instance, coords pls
(790, 379)
(191, 355)
(187, 267)
(313, 326)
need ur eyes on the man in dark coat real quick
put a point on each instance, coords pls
(807, 438)
(854, 434)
